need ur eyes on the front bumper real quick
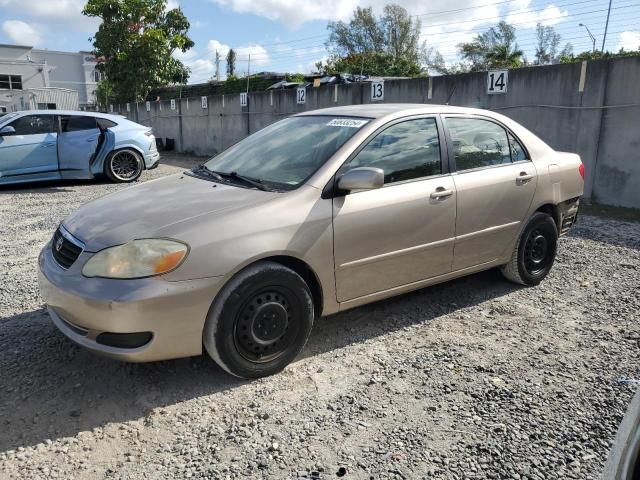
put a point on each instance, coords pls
(173, 313)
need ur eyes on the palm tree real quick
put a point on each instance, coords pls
(502, 56)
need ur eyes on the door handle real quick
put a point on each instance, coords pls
(89, 140)
(45, 145)
(524, 177)
(441, 192)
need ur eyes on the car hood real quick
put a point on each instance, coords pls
(140, 211)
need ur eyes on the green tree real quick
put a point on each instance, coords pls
(373, 63)
(231, 63)
(597, 55)
(294, 77)
(547, 44)
(402, 34)
(495, 48)
(135, 44)
(104, 92)
(393, 39)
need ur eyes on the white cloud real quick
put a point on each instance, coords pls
(171, 4)
(259, 55)
(203, 66)
(524, 16)
(293, 13)
(215, 45)
(629, 41)
(21, 33)
(202, 69)
(60, 12)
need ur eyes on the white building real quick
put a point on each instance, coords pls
(33, 78)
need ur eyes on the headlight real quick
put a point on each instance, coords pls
(137, 259)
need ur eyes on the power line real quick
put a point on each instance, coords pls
(313, 50)
(449, 32)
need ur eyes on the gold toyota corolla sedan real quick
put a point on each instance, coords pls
(318, 213)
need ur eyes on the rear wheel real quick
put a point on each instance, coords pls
(124, 166)
(535, 251)
(260, 321)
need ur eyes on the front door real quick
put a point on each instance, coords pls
(32, 149)
(77, 143)
(403, 232)
(495, 182)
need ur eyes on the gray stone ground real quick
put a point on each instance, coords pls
(475, 378)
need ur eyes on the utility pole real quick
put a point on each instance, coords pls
(217, 66)
(606, 27)
(248, 106)
(248, 75)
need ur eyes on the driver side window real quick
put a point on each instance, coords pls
(478, 143)
(34, 124)
(406, 150)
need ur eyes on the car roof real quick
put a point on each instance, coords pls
(379, 110)
(114, 118)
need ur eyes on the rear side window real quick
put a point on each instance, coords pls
(406, 150)
(79, 123)
(517, 152)
(103, 123)
(478, 143)
(34, 125)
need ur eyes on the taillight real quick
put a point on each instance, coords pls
(581, 170)
(149, 133)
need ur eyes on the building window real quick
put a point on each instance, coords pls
(11, 82)
(98, 76)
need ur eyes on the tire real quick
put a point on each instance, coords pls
(535, 251)
(236, 334)
(124, 166)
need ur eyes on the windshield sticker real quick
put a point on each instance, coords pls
(347, 122)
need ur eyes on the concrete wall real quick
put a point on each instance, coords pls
(591, 109)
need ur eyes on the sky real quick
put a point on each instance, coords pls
(289, 36)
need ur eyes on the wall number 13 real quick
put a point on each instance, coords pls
(377, 91)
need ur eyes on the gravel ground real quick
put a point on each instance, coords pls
(476, 378)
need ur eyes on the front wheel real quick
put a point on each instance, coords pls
(535, 251)
(260, 321)
(124, 166)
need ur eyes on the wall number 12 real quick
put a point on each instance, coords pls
(301, 96)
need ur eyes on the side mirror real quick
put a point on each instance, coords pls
(362, 178)
(8, 130)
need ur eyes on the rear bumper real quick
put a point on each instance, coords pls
(152, 319)
(568, 211)
(151, 160)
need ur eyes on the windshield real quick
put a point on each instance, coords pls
(285, 154)
(4, 117)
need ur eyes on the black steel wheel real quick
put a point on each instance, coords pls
(124, 166)
(263, 328)
(535, 251)
(260, 321)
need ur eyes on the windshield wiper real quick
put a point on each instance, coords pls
(209, 173)
(224, 176)
(254, 182)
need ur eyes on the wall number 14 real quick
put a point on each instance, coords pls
(497, 81)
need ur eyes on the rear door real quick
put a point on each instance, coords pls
(78, 142)
(32, 149)
(495, 182)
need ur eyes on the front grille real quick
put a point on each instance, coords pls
(65, 251)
